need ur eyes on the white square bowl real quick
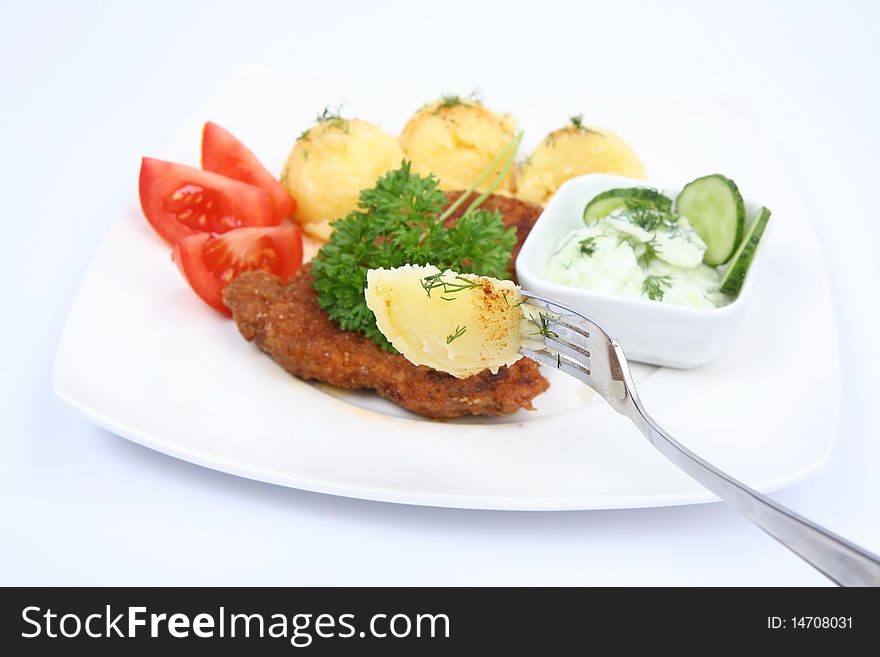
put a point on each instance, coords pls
(649, 331)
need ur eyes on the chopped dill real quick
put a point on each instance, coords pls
(652, 250)
(587, 246)
(459, 331)
(431, 282)
(448, 101)
(577, 122)
(649, 218)
(654, 287)
(627, 239)
(542, 321)
(332, 118)
(449, 287)
(328, 114)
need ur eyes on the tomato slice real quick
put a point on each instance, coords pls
(208, 262)
(224, 154)
(180, 201)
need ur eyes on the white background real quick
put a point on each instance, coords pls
(86, 88)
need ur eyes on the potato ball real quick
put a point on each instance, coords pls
(329, 166)
(456, 139)
(572, 151)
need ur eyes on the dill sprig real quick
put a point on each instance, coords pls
(329, 114)
(455, 286)
(654, 287)
(332, 118)
(652, 250)
(329, 117)
(587, 246)
(575, 124)
(448, 101)
(647, 217)
(459, 331)
(542, 321)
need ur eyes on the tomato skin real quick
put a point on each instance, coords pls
(180, 201)
(208, 262)
(223, 153)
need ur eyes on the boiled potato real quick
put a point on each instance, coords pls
(329, 166)
(456, 139)
(572, 151)
(459, 324)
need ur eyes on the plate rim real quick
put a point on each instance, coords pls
(421, 498)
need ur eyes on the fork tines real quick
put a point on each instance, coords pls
(566, 337)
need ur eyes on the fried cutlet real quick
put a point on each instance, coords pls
(287, 323)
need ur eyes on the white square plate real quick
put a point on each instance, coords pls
(144, 358)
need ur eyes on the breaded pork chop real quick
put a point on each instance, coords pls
(287, 323)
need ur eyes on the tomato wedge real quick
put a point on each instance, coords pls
(180, 201)
(224, 154)
(209, 262)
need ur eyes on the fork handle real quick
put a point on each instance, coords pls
(843, 562)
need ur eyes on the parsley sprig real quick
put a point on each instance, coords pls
(398, 222)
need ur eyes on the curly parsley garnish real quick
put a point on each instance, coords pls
(399, 221)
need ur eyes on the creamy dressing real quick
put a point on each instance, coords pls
(646, 254)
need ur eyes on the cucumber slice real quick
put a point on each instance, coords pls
(607, 202)
(732, 281)
(715, 208)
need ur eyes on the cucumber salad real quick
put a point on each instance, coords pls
(636, 242)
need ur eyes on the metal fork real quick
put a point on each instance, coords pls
(579, 347)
